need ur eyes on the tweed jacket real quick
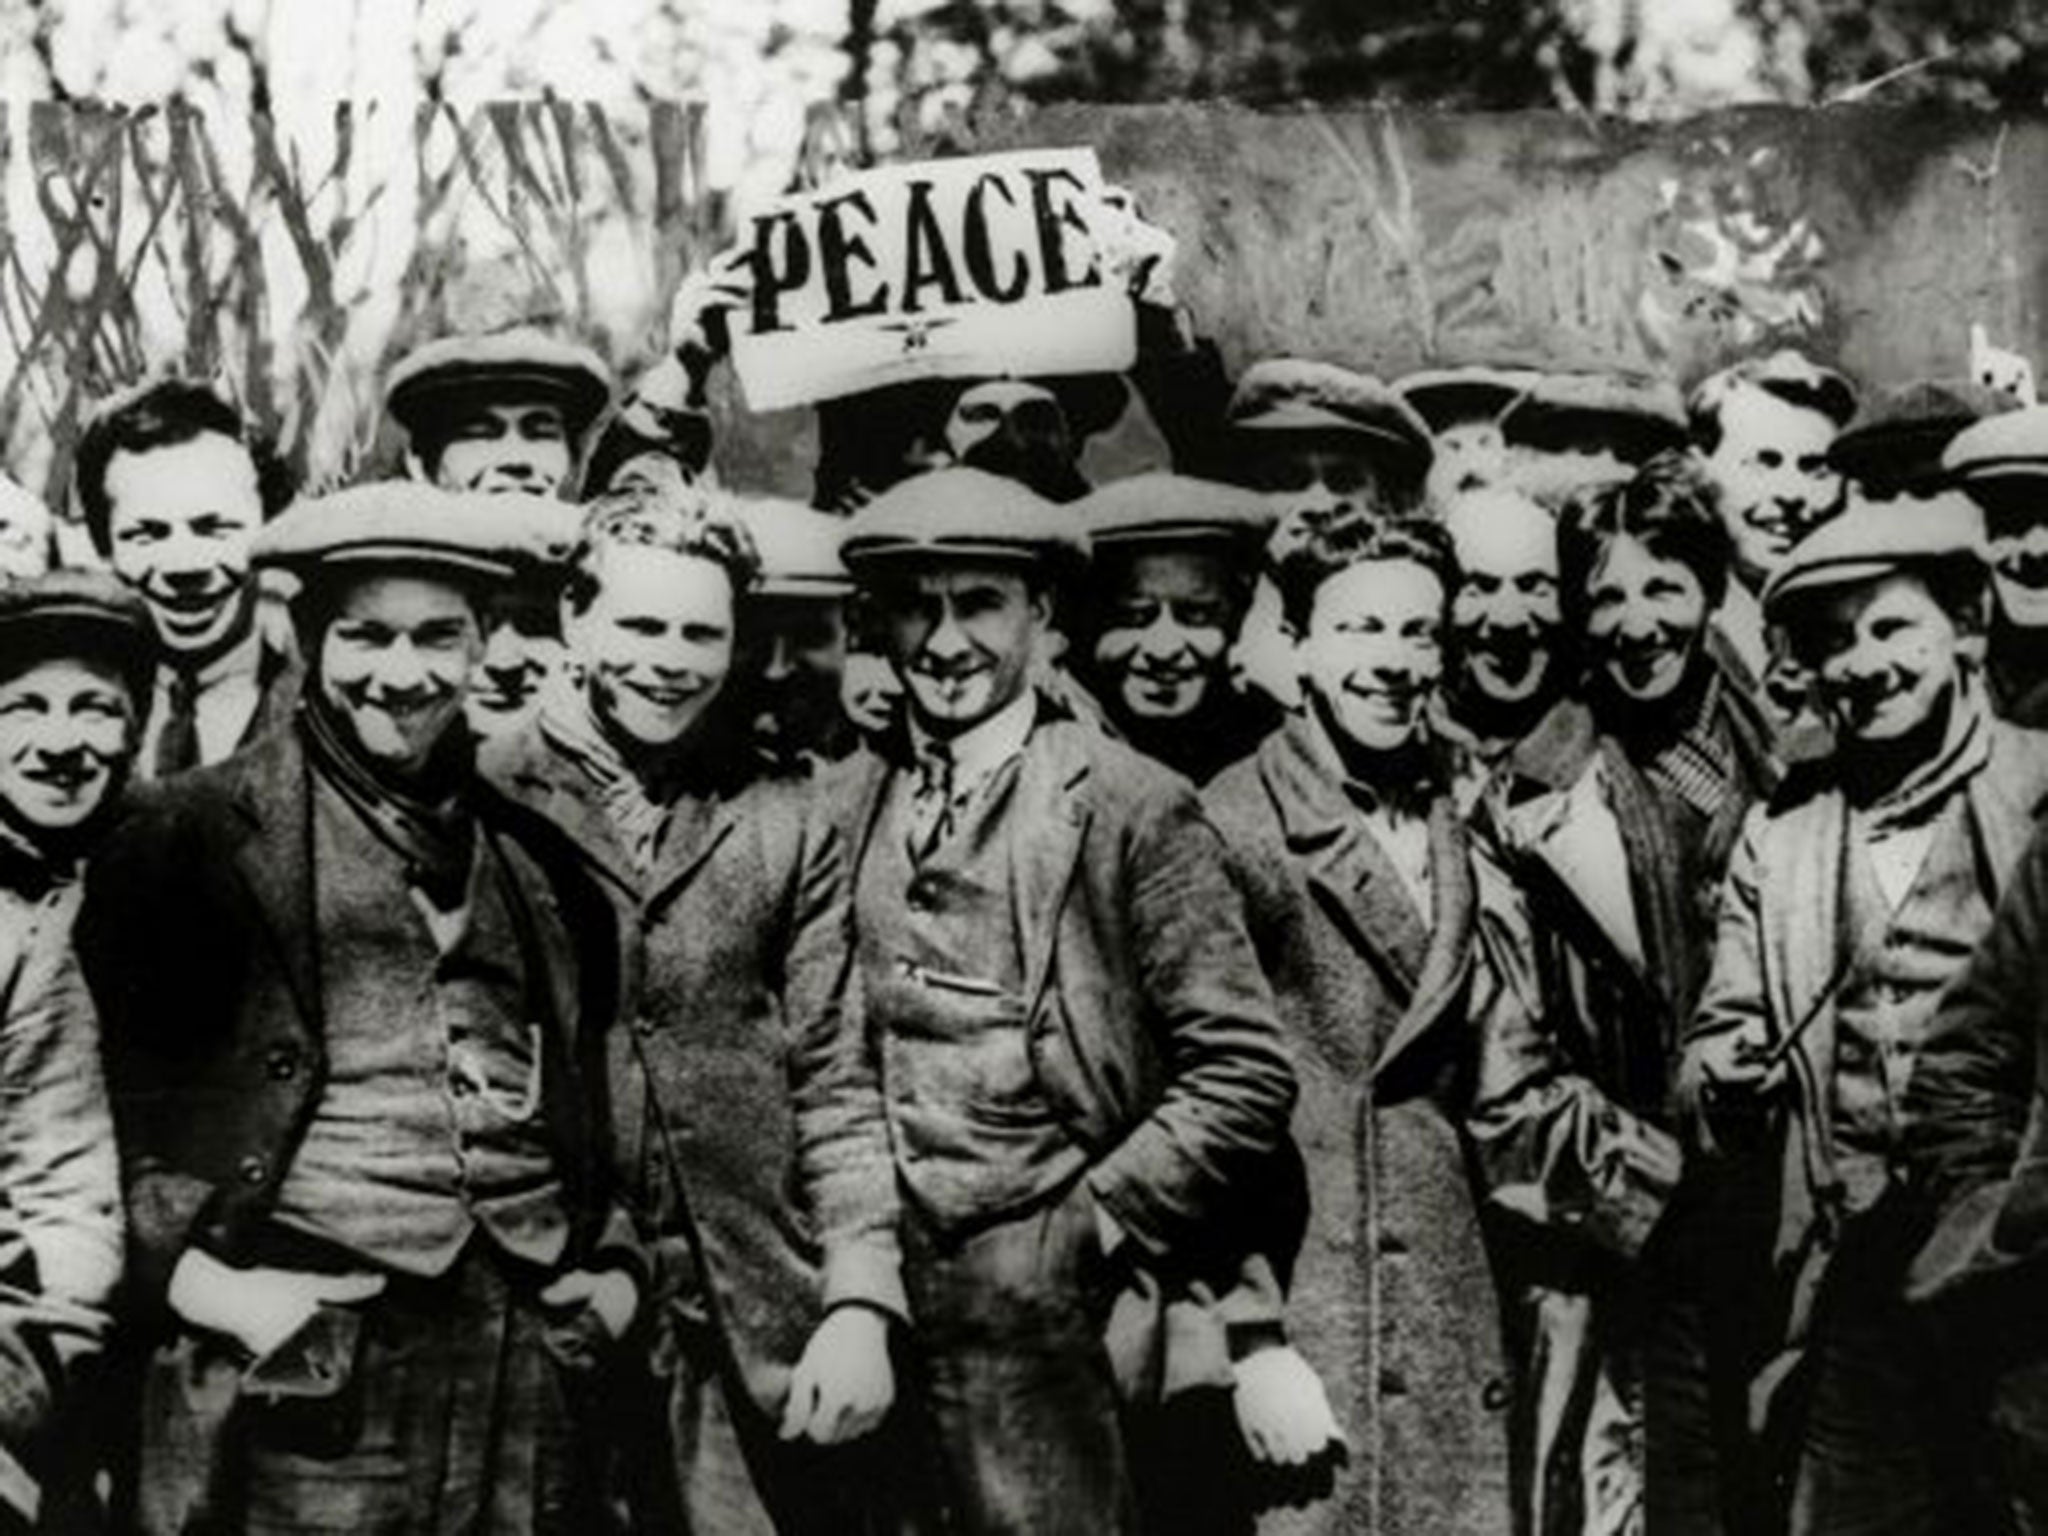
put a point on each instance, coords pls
(1151, 1025)
(1779, 958)
(199, 942)
(748, 1126)
(1394, 1298)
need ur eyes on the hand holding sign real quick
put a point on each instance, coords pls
(698, 325)
(1012, 264)
(1136, 256)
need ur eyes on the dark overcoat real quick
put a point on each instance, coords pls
(1394, 1299)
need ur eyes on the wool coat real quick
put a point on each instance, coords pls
(1151, 1028)
(1780, 958)
(199, 942)
(1394, 1298)
(747, 1122)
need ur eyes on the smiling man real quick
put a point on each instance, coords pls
(1174, 563)
(1854, 897)
(2002, 463)
(174, 485)
(1364, 906)
(363, 1174)
(1077, 1048)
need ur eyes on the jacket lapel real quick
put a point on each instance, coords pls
(1051, 801)
(697, 826)
(274, 795)
(1448, 962)
(1800, 895)
(527, 771)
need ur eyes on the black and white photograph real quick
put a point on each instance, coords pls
(1023, 768)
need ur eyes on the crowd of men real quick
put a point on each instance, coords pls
(1469, 957)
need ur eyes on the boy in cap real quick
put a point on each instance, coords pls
(349, 1041)
(174, 485)
(1854, 897)
(1173, 567)
(747, 1123)
(2001, 463)
(796, 639)
(76, 659)
(1077, 1047)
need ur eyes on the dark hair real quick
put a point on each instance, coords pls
(162, 416)
(1315, 543)
(1785, 377)
(1667, 506)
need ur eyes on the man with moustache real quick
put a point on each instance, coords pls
(1854, 898)
(2002, 464)
(503, 413)
(347, 1037)
(1762, 430)
(772, 1215)
(1367, 909)
(77, 659)
(1077, 1048)
(1174, 563)
(173, 486)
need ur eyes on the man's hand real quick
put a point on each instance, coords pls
(699, 329)
(258, 1308)
(1737, 1062)
(844, 1384)
(609, 1294)
(1283, 1409)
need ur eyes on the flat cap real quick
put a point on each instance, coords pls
(519, 361)
(964, 514)
(1444, 397)
(1160, 508)
(2011, 446)
(1872, 538)
(1292, 394)
(62, 611)
(411, 525)
(1634, 416)
(1899, 439)
(799, 547)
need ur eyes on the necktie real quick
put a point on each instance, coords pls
(177, 745)
(931, 805)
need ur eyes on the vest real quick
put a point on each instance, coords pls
(428, 1125)
(976, 1138)
(1884, 1012)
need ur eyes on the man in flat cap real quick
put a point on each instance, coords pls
(1855, 896)
(173, 485)
(2001, 463)
(1308, 433)
(1174, 563)
(77, 659)
(747, 1121)
(502, 413)
(795, 645)
(1077, 1048)
(349, 1045)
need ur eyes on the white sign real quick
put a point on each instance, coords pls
(990, 265)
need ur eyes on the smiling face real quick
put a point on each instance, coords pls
(1168, 621)
(1505, 615)
(2016, 529)
(394, 658)
(964, 637)
(520, 446)
(1372, 652)
(67, 728)
(1886, 656)
(656, 642)
(1645, 616)
(180, 522)
(1770, 470)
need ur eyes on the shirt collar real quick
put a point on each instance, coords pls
(243, 658)
(984, 747)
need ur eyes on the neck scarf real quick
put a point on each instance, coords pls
(428, 823)
(637, 811)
